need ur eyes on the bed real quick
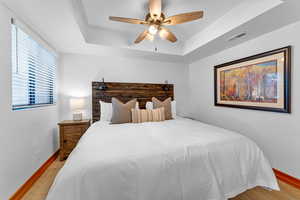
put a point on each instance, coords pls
(179, 159)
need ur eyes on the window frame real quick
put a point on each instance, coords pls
(44, 45)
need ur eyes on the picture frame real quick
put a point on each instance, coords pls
(259, 82)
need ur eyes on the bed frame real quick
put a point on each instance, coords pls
(143, 92)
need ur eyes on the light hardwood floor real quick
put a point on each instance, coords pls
(40, 188)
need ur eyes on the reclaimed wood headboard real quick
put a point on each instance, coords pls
(143, 92)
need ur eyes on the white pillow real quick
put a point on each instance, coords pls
(106, 110)
(173, 107)
(149, 105)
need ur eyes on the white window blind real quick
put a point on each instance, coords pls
(33, 72)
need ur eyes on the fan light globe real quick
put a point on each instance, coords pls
(163, 33)
(150, 37)
(153, 30)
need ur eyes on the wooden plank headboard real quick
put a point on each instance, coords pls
(143, 92)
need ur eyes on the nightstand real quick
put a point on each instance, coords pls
(70, 132)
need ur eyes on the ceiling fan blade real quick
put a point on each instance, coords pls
(128, 20)
(155, 8)
(141, 37)
(165, 33)
(182, 18)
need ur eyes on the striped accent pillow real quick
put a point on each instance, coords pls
(147, 115)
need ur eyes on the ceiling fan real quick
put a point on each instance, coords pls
(156, 20)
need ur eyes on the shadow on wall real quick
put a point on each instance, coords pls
(55, 138)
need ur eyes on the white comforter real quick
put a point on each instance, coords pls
(178, 159)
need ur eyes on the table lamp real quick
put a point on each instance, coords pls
(77, 105)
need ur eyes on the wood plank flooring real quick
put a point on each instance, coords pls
(40, 188)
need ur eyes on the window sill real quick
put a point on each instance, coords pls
(28, 107)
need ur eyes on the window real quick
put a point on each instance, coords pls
(33, 72)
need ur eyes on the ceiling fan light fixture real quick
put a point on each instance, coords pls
(156, 20)
(153, 29)
(163, 33)
(150, 37)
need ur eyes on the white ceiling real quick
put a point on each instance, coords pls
(82, 26)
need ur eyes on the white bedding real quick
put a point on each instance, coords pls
(178, 159)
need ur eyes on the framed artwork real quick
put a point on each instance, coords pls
(260, 82)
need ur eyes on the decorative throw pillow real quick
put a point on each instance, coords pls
(149, 105)
(166, 104)
(147, 115)
(121, 113)
(106, 110)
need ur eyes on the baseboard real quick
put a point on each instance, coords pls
(28, 184)
(287, 178)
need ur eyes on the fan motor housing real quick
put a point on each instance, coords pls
(157, 21)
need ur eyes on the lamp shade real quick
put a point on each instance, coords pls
(77, 104)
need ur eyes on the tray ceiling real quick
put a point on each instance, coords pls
(220, 17)
(82, 26)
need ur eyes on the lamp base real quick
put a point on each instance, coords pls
(77, 116)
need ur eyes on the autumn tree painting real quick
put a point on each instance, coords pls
(254, 83)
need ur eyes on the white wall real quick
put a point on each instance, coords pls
(27, 138)
(277, 134)
(78, 71)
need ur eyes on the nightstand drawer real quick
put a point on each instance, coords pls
(75, 129)
(69, 145)
(72, 137)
